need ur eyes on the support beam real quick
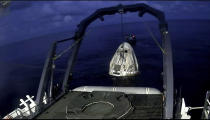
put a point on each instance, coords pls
(65, 85)
(45, 75)
(142, 8)
(168, 81)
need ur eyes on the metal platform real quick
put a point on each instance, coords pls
(145, 106)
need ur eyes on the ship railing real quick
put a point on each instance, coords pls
(28, 114)
(47, 78)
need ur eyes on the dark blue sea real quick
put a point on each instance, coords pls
(21, 63)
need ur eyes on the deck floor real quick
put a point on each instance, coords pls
(145, 107)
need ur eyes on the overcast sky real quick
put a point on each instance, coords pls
(24, 20)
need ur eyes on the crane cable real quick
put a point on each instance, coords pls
(122, 27)
(121, 11)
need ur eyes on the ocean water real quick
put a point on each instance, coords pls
(21, 63)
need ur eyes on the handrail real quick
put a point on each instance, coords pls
(22, 115)
(46, 73)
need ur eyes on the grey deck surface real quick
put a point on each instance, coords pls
(145, 107)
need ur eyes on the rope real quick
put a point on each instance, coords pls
(154, 38)
(69, 48)
(122, 31)
(66, 50)
(126, 112)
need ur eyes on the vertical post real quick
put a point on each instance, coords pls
(44, 77)
(50, 90)
(168, 81)
(65, 86)
(205, 115)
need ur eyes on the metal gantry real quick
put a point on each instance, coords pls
(168, 83)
